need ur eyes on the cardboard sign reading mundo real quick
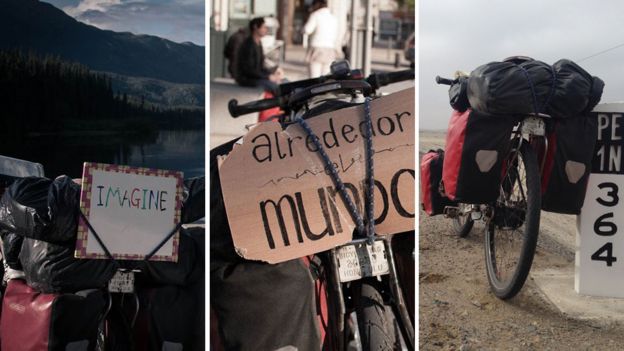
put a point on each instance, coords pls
(280, 200)
(131, 209)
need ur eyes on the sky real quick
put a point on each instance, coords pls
(464, 34)
(176, 20)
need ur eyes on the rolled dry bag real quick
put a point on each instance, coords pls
(433, 202)
(573, 90)
(475, 146)
(568, 164)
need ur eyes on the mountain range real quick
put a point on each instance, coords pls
(35, 26)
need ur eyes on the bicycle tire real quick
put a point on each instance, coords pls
(463, 222)
(512, 222)
(376, 322)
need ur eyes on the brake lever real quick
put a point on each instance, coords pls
(301, 96)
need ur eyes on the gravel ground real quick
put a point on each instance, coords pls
(458, 312)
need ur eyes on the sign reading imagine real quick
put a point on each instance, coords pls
(131, 209)
(280, 200)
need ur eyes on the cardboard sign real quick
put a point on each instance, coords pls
(131, 209)
(280, 200)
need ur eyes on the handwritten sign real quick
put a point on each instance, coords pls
(131, 209)
(280, 200)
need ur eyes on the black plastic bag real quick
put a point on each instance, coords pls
(41, 208)
(458, 95)
(11, 247)
(188, 269)
(505, 87)
(194, 205)
(51, 267)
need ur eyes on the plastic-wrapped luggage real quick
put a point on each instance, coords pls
(432, 201)
(475, 146)
(41, 208)
(11, 246)
(505, 87)
(52, 268)
(563, 90)
(568, 164)
(35, 321)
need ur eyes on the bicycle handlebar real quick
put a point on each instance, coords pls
(237, 110)
(445, 81)
(379, 80)
(293, 93)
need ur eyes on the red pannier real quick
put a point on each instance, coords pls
(568, 163)
(35, 321)
(475, 146)
(432, 201)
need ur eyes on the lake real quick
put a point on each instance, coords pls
(181, 150)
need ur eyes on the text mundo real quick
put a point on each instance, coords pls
(294, 206)
(138, 198)
(269, 147)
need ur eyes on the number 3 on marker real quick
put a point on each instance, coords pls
(612, 194)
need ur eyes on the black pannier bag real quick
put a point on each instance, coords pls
(41, 208)
(166, 319)
(505, 87)
(575, 90)
(458, 95)
(51, 267)
(35, 321)
(433, 202)
(475, 146)
(258, 306)
(568, 164)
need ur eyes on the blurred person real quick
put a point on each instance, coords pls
(251, 70)
(321, 38)
(231, 49)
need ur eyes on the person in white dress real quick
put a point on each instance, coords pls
(320, 36)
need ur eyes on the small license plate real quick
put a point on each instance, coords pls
(356, 261)
(122, 282)
(533, 126)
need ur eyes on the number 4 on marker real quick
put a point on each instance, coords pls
(608, 257)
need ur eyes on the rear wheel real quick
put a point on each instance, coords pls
(463, 222)
(511, 232)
